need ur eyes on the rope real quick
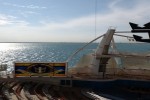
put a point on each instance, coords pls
(83, 48)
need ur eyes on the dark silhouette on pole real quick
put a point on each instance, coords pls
(137, 29)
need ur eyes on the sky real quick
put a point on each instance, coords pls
(68, 20)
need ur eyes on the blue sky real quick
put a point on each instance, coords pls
(67, 20)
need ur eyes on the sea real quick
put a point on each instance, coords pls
(56, 51)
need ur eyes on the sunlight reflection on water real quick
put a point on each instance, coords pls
(39, 52)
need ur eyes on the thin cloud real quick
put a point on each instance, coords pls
(4, 22)
(118, 18)
(28, 13)
(24, 6)
(6, 19)
(75, 29)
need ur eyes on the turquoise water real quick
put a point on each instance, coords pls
(55, 52)
(134, 47)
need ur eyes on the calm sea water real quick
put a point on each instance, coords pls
(55, 52)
